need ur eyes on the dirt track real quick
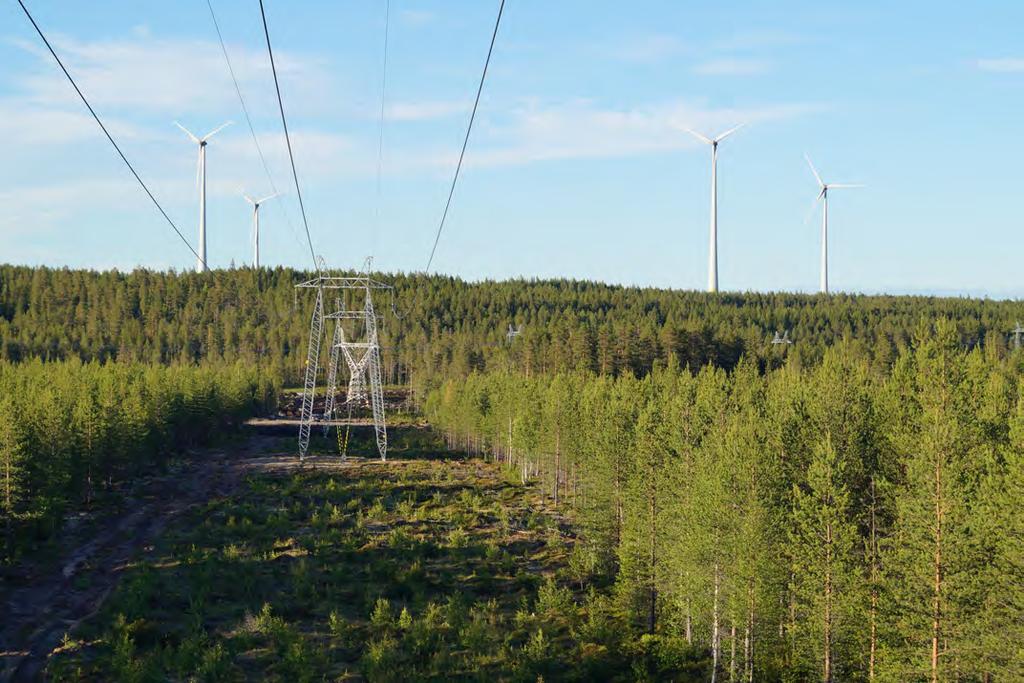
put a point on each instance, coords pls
(47, 600)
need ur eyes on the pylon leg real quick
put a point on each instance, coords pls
(332, 378)
(309, 385)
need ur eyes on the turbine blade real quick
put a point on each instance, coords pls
(199, 159)
(814, 205)
(249, 199)
(216, 130)
(728, 133)
(187, 132)
(702, 138)
(814, 171)
(268, 197)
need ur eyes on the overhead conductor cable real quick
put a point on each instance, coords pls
(107, 133)
(465, 142)
(288, 140)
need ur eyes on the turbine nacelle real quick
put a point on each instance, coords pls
(823, 198)
(715, 140)
(201, 186)
(713, 238)
(201, 141)
(825, 187)
(256, 202)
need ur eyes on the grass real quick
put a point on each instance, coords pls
(418, 569)
(401, 571)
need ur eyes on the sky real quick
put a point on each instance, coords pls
(579, 164)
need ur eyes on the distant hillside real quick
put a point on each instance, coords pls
(448, 327)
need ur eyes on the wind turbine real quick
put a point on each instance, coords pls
(256, 225)
(823, 196)
(201, 181)
(713, 248)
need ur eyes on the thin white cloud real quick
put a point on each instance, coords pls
(649, 49)
(150, 74)
(1002, 65)
(318, 153)
(32, 125)
(732, 67)
(415, 17)
(578, 129)
(424, 111)
(754, 39)
(27, 210)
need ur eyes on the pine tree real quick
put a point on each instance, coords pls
(930, 560)
(997, 627)
(823, 540)
(641, 557)
(11, 472)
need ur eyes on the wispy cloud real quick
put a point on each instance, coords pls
(423, 111)
(754, 39)
(415, 17)
(1002, 65)
(41, 207)
(579, 129)
(733, 67)
(22, 124)
(649, 49)
(150, 74)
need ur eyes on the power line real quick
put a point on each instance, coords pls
(107, 133)
(287, 138)
(383, 99)
(248, 119)
(465, 142)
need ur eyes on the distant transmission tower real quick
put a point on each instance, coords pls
(512, 333)
(361, 357)
(782, 338)
(1017, 331)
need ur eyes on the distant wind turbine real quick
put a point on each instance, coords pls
(713, 248)
(823, 197)
(256, 225)
(201, 181)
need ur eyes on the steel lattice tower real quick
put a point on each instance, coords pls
(312, 364)
(361, 357)
(332, 375)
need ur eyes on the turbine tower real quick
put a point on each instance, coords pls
(256, 225)
(201, 182)
(713, 247)
(823, 197)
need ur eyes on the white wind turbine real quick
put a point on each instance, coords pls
(823, 196)
(201, 181)
(256, 225)
(713, 248)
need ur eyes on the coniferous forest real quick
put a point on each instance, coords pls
(718, 507)
(829, 523)
(69, 432)
(436, 327)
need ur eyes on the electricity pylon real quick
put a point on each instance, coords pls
(316, 325)
(512, 333)
(781, 338)
(361, 357)
(1017, 331)
(332, 374)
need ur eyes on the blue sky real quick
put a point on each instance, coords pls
(577, 166)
